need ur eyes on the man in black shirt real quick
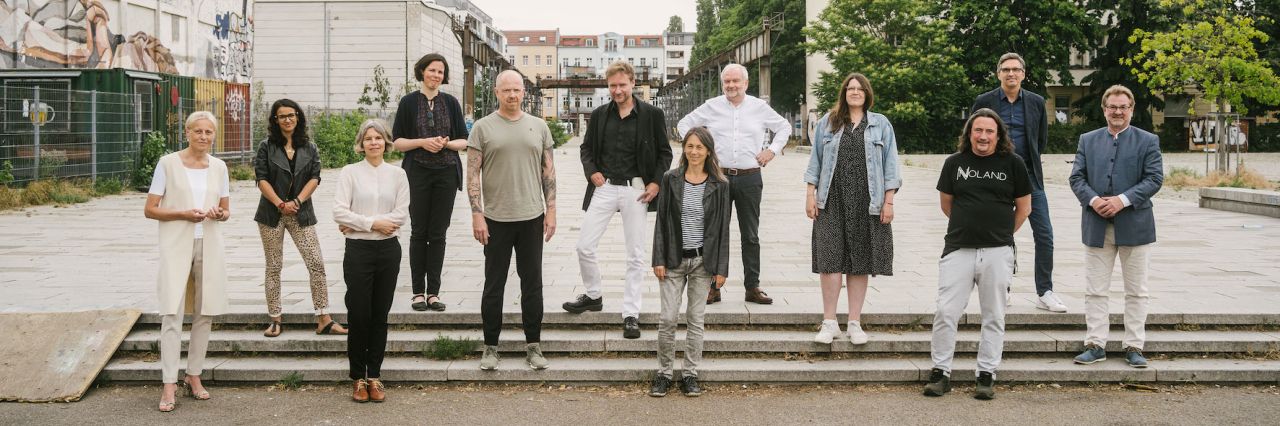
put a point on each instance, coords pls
(986, 194)
(624, 154)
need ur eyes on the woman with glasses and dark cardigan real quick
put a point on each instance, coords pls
(430, 129)
(287, 168)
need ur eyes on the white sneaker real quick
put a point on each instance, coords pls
(856, 335)
(1051, 302)
(827, 332)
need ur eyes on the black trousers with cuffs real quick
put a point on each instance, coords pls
(431, 196)
(370, 268)
(525, 238)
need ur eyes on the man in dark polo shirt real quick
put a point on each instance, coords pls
(624, 153)
(1024, 115)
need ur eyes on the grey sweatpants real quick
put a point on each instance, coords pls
(691, 278)
(990, 270)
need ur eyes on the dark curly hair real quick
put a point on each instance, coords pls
(275, 136)
(1004, 145)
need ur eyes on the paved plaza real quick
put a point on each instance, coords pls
(103, 254)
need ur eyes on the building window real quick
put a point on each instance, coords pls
(653, 61)
(550, 61)
(591, 42)
(631, 42)
(631, 61)
(143, 104)
(524, 59)
(589, 103)
(577, 102)
(642, 62)
(511, 58)
(610, 45)
(537, 59)
(564, 61)
(542, 39)
(175, 24)
(1062, 109)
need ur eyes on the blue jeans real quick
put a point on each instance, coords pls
(1042, 233)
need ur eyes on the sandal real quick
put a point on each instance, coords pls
(203, 395)
(274, 329)
(419, 303)
(435, 305)
(166, 407)
(328, 329)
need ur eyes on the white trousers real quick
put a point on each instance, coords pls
(1098, 264)
(990, 270)
(606, 201)
(171, 326)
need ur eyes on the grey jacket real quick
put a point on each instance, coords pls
(1129, 165)
(882, 159)
(668, 240)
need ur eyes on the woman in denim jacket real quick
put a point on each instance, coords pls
(852, 178)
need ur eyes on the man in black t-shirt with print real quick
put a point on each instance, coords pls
(986, 194)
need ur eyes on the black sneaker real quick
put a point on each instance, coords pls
(630, 328)
(939, 383)
(660, 386)
(583, 304)
(689, 385)
(986, 386)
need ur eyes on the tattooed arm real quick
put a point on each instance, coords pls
(549, 192)
(479, 229)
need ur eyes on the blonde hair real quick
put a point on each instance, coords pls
(200, 115)
(1117, 90)
(620, 67)
(377, 125)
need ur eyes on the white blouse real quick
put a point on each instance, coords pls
(367, 193)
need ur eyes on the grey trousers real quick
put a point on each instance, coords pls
(171, 326)
(691, 278)
(990, 270)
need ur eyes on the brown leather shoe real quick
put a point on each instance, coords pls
(377, 392)
(756, 295)
(362, 391)
(713, 296)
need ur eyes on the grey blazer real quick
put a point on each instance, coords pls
(1131, 165)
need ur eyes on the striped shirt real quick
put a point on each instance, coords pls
(691, 215)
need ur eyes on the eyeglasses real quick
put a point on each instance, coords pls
(293, 116)
(1117, 108)
(1011, 70)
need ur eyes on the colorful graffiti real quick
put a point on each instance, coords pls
(232, 47)
(73, 34)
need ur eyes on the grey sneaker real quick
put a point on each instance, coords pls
(489, 361)
(939, 383)
(1134, 357)
(533, 355)
(1092, 353)
(986, 389)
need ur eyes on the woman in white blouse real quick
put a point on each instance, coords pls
(190, 198)
(371, 204)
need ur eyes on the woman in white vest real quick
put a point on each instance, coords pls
(190, 196)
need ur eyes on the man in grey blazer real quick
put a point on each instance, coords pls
(1117, 170)
(1023, 113)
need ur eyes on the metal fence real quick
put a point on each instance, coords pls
(49, 133)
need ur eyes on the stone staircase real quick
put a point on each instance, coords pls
(771, 347)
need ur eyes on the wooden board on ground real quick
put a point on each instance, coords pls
(55, 356)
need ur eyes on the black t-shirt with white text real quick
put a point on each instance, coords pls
(984, 191)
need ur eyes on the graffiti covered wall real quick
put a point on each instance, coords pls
(202, 38)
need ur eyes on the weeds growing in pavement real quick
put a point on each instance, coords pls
(290, 381)
(447, 348)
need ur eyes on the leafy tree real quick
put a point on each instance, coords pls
(675, 24)
(1044, 32)
(737, 18)
(706, 23)
(377, 91)
(1212, 53)
(903, 49)
(1122, 19)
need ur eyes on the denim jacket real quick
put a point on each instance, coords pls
(882, 159)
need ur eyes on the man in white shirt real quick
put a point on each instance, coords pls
(740, 125)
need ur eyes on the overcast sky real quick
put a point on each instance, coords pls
(585, 17)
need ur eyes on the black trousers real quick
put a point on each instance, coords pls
(525, 238)
(746, 192)
(431, 196)
(370, 269)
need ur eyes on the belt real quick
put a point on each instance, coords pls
(691, 253)
(616, 181)
(739, 172)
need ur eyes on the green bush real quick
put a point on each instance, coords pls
(242, 172)
(1173, 135)
(335, 134)
(108, 186)
(1264, 137)
(153, 147)
(6, 173)
(557, 133)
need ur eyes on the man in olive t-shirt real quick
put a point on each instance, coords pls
(511, 183)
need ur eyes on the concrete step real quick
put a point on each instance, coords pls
(732, 341)
(753, 315)
(595, 370)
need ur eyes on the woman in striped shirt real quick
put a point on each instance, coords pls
(690, 252)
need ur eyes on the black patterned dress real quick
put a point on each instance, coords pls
(846, 238)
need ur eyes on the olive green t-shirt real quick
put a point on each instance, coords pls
(511, 167)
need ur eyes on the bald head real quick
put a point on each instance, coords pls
(509, 88)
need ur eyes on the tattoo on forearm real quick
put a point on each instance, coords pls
(549, 177)
(474, 158)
